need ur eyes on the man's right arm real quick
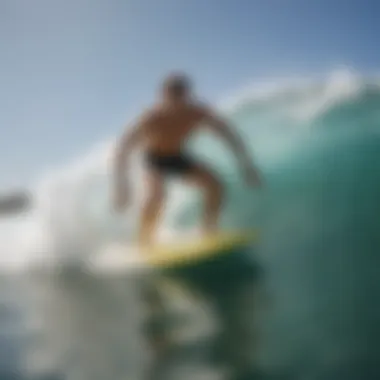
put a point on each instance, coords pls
(129, 141)
(124, 147)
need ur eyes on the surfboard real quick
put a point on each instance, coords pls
(197, 250)
(184, 251)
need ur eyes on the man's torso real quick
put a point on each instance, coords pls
(169, 128)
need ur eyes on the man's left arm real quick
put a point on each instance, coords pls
(224, 130)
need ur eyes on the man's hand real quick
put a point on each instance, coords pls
(121, 198)
(252, 177)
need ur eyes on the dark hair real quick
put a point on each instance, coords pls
(177, 84)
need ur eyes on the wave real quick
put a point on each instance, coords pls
(279, 120)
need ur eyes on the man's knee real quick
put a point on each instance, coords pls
(214, 186)
(155, 196)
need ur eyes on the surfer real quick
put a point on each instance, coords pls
(163, 131)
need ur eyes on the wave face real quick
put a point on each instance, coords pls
(316, 142)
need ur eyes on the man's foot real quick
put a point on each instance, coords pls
(209, 231)
(145, 242)
(200, 233)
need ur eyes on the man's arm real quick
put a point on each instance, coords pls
(222, 128)
(124, 147)
(129, 141)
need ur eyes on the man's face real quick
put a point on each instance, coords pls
(176, 88)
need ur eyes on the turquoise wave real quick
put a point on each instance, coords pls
(319, 215)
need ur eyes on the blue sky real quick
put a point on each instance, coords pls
(72, 72)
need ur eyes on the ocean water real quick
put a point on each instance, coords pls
(316, 141)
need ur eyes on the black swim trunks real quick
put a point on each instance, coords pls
(179, 164)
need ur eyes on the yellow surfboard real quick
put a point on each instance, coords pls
(198, 249)
(184, 251)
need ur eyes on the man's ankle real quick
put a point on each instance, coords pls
(209, 230)
(145, 239)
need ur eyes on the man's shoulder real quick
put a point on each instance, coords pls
(201, 108)
(150, 113)
(196, 108)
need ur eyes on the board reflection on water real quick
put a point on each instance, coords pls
(196, 319)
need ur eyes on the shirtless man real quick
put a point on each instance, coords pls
(163, 131)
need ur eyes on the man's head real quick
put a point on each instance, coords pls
(176, 87)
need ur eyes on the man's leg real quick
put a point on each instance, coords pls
(212, 188)
(152, 206)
